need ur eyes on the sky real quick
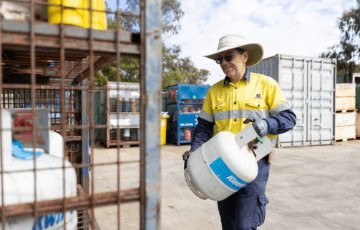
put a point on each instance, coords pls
(292, 27)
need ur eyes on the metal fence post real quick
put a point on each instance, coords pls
(151, 50)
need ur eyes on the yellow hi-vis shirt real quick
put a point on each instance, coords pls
(229, 105)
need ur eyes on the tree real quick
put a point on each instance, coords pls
(180, 70)
(129, 72)
(175, 69)
(172, 14)
(348, 49)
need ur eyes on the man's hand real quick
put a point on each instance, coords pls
(260, 126)
(186, 155)
(252, 144)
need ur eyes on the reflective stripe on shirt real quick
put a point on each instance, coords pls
(283, 106)
(241, 113)
(206, 116)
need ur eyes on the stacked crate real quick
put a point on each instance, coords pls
(345, 117)
(121, 114)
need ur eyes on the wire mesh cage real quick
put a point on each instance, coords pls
(53, 172)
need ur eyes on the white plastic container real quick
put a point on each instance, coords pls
(220, 167)
(19, 183)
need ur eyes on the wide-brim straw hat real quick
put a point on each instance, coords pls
(232, 41)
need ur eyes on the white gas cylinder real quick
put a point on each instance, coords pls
(18, 184)
(220, 167)
(5, 133)
(56, 144)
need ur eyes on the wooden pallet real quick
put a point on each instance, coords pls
(346, 111)
(127, 146)
(123, 144)
(345, 139)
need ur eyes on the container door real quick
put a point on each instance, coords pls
(293, 80)
(320, 102)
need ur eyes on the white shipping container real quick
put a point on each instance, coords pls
(309, 85)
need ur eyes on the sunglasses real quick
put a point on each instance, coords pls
(227, 57)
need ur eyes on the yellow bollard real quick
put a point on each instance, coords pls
(164, 116)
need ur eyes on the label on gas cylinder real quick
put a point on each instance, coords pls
(222, 171)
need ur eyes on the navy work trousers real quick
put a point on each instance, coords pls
(245, 209)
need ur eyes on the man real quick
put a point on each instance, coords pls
(243, 95)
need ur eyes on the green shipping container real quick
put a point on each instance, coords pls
(358, 97)
(98, 114)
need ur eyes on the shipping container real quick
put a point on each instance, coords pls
(358, 97)
(309, 85)
(356, 78)
(356, 81)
